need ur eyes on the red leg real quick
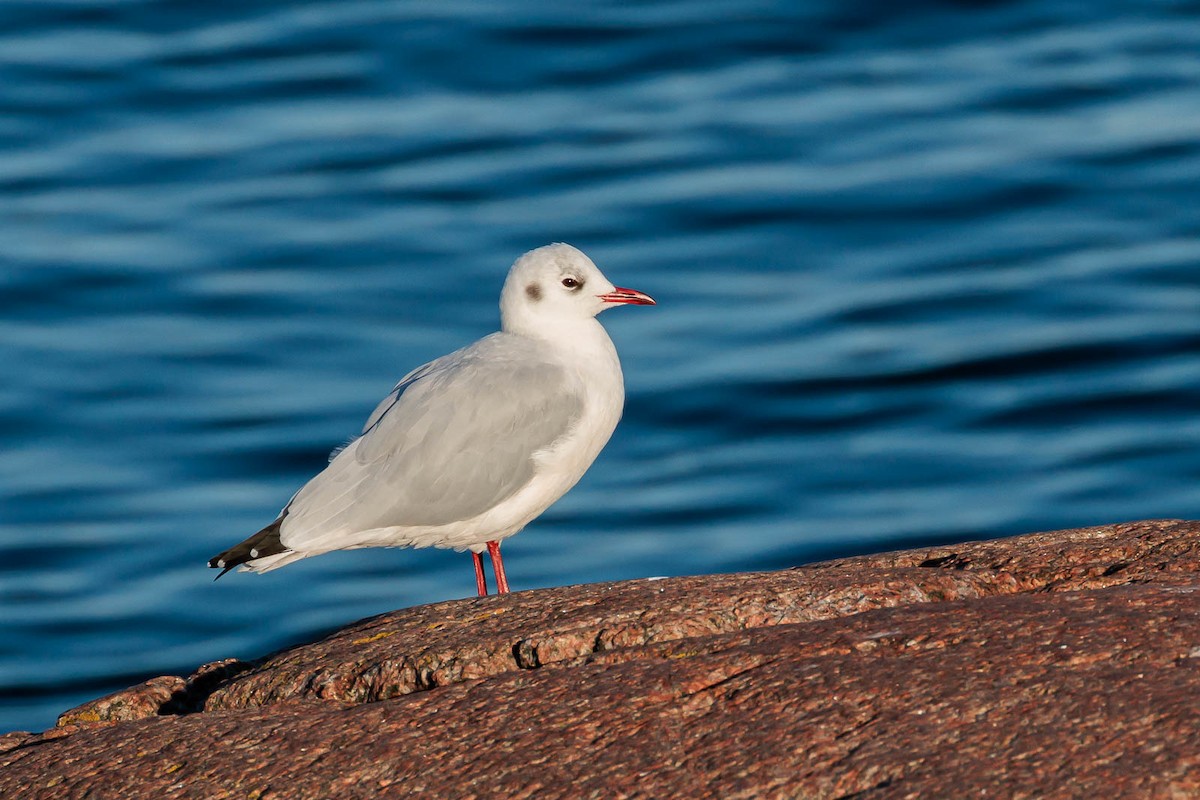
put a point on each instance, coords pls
(498, 567)
(480, 578)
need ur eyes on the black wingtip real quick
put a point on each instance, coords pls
(264, 543)
(216, 563)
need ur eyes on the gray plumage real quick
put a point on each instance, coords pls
(430, 454)
(469, 448)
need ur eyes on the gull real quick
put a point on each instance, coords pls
(470, 448)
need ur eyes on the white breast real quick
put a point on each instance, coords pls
(560, 466)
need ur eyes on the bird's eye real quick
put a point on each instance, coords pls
(570, 283)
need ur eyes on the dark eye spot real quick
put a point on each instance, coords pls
(572, 283)
(534, 292)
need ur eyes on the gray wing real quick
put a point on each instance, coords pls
(390, 400)
(453, 439)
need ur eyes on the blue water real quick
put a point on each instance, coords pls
(927, 272)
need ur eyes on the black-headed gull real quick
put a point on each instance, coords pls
(468, 449)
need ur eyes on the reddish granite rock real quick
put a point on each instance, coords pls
(137, 702)
(1054, 664)
(166, 694)
(444, 643)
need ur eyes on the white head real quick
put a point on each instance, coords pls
(556, 286)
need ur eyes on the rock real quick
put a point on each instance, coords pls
(166, 694)
(1061, 663)
(137, 702)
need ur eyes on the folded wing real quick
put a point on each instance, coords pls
(453, 439)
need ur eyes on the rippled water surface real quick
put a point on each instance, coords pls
(926, 272)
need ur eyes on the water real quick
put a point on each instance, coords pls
(926, 273)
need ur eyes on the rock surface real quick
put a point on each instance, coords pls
(1054, 664)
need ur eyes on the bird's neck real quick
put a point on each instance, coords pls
(564, 331)
(582, 342)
